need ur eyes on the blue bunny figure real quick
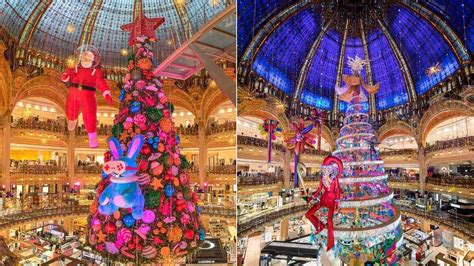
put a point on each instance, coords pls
(123, 191)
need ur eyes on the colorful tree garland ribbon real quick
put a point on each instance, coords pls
(271, 129)
(298, 140)
(317, 117)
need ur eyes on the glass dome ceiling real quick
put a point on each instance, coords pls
(57, 27)
(301, 47)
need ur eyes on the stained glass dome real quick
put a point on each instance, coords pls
(57, 27)
(300, 47)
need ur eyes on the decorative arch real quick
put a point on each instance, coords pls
(211, 100)
(440, 112)
(263, 109)
(393, 127)
(327, 135)
(179, 97)
(6, 77)
(47, 85)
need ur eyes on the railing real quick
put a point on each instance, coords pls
(398, 152)
(35, 124)
(223, 169)
(256, 142)
(88, 169)
(7, 221)
(459, 182)
(403, 179)
(191, 130)
(219, 128)
(263, 217)
(214, 210)
(102, 130)
(448, 144)
(38, 169)
(256, 179)
(442, 218)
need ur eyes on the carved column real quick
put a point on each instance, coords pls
(423, 167)
(71, 158)
(202, 154)
(5, 155)
(284, 226)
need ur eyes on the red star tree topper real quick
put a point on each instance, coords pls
(142, 26)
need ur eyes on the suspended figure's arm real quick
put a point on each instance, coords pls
(318, 190)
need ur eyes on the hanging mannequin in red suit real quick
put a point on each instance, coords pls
(83, 80)
(329, 184)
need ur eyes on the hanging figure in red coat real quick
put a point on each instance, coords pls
(329, 185)
(83, 80)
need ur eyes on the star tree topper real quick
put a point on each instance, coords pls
(142, 26)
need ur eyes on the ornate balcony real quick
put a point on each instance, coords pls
(257, 179)
(50, 126)
(450, 144)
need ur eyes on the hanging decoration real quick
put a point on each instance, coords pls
(297, 142)
(83, 79)
(272, 130)
(331, 193)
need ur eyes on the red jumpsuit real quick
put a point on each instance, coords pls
(328, 199)
(82, 84)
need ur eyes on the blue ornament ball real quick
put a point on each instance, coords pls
(202, 234)
(128, 220)
(178, 139)
(169, 190)
(135, 107)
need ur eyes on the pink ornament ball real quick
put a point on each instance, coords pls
(148, 217)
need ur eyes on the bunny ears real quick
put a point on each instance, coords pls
(133, 150)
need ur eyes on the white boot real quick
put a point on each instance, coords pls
(93, 143)
(71, 124)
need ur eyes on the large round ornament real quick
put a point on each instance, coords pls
(110, 228)
(149, 252)
(148, 216)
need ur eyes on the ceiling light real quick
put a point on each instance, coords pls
(20, 104)
(37, 107)
(123, 52)
(70, 28)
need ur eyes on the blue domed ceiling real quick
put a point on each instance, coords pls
(60, 26)
(298, 46)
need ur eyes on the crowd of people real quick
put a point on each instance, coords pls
(36, 167)
(34, 122)
(215, 128)
(88, 167)
(257, 142)
(252, 179)
(102, 129)
(447, 144)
